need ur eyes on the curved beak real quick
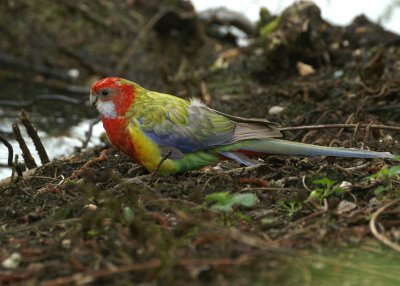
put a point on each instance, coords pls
(93, 99)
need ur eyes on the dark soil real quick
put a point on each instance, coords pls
(98, 218)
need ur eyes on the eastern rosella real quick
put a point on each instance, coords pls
(150, 126)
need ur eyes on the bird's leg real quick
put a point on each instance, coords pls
(169, 153)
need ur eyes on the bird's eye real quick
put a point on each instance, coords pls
(104, 92)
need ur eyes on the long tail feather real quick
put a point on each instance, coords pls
(277, 146)
(238, 157)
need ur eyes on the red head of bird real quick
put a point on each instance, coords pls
(112, 96)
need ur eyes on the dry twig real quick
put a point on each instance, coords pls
(271, 189)
(10, 150)
(101, 158)
(35, 138)
(29, 160)
(372, 226)
(47, 97)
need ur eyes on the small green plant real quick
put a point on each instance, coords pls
(386, 176)
(225, 201)
(269, 28)
(291, 207)
(128, 214)
(325, 188)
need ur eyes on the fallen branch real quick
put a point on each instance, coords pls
(48, 97)
(29, 161)
(102, 157)
(9, 60)
(372, 226)
(271, 189)
(48, 82)
(35, 137)
(10, 150)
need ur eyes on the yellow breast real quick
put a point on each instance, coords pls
(148, 152)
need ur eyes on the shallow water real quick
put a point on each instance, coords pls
(56, 146)
(61, 126)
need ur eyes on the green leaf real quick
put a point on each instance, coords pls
(93, 232)
(220, 197)
(316, 194)
(339, 191)
(324, 182)
(224, 201)
(379, 189)
(247, 199)
(128, 214)
(383, 172)
(290, 206)
(242, 216)
(393, 171)
(268, 220)
(224, 208)
(269, 28)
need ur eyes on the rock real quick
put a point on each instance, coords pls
(12, 261)
(304, 69)
(90, 207)
(275, 110)
(345, 206)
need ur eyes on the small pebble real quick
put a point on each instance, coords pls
(338, 74)
(346, 185)
(12, 261)
(275, 110)
(73, 73)
(304, 69)
(345, 206)
(66, 243)
(90, 207)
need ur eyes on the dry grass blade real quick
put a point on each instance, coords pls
(372, 226)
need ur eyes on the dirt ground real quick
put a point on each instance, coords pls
(98, 218)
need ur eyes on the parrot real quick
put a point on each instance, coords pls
(168, 135)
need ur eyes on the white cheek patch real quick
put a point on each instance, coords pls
(106, 108)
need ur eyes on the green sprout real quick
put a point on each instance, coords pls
(269, 28)
(325, 189)
(291, 207)
(225, 201)
(128, 214)
(385, 176)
